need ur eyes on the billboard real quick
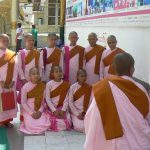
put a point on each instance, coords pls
(77, 8)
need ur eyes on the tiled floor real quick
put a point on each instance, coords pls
(55, 141)
(65, 140)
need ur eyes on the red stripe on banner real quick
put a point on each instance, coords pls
(130, 13)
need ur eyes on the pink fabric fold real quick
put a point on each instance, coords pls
(53, 120)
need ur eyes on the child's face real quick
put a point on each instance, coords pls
(52, 41)
(57, 74)
(35, 76)
(92, 40)
(82, 78)
(4, 42)
(73, 38)
(111, 43)
(29, 43)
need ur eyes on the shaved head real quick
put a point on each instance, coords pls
(32, 70)
(92, 38)
(73, 33)
(112, 42)
(52, 34)
(112, 37)
(92, 34)
(28, 36)
(124, 64)
(81, 71)
(3, 35)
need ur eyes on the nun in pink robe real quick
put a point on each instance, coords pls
(24, 74)
(89, 67)
(61, 124)
(104, 69)
(9, 114)
(136, 128)
(76, 108)
(47, 70)
(30, 125)
(73, 65)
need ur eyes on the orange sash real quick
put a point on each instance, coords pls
(107, 107)
(61, 91)
(108, 60)
(96, 51)
(78, 50)
(85, 91)
(33, 54)
(38, 93)
(8, 57)
(54, 58)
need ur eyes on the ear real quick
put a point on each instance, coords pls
(131, 71)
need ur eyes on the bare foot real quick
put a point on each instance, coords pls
(9, 125)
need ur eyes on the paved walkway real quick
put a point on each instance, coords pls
(55, 141)
(65, 140)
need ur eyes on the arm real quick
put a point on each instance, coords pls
(42, 104)
(148, 116)
(102, 66)
(24, 100)
(84, 60)
(19, 67)
(15, 74)
(71, 103)
(48, 99)
(66, 102)
(62, 61)
(41, 65)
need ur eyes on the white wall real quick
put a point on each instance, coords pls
(135, 40)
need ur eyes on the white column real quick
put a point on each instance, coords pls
(14, 15)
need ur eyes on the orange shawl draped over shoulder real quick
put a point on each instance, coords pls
(8, 57)
(33, 54)
(78, 50)
(96, 51)
(61, 91)
(38, 93)
(107, 107)
(54, 58)
(108, 60)
(85, 90)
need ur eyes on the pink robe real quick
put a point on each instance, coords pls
(52, 104)
(9, 114)
(30, 125)
(104, 69)
(136, 128)
(73, 66)
(89, 67)
(47, 70)
(76, 108)
(24, 74)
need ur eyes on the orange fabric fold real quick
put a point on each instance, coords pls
(38, 93)
(96, 51)
(108, 60)
(33, 54)
(8, 57)
(107, 107)
(54, 58)
(78, 50)
(85, 90)
(61, 91)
